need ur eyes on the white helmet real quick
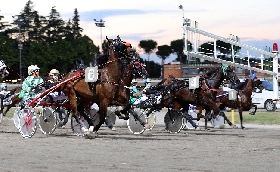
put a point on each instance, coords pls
(32, 68)
(53, 71)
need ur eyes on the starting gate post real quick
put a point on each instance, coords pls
(275, 70)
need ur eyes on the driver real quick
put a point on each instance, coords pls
(30, 86)
(54, 76)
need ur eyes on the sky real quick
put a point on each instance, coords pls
(256, 23)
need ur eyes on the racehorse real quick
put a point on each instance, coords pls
(243, 102)
(133, 70)
(178, 93)
(102, 92)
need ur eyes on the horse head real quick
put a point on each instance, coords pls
(119, 47)
(3, 69)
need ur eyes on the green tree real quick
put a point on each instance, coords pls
(76, 25)
(177, 47)
(148, 46)
(54, 28)
(163, 52)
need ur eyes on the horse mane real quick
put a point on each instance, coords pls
(210, 71)
(101, 59)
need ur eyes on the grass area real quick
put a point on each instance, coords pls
(264, 118)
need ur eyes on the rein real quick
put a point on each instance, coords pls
(79, 75)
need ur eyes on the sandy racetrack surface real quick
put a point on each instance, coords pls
(253, 149)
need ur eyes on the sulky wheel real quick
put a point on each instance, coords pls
(151, 119)
(133, 124)
(218, 122)
(47, 120)
(173, 121)
(27, 122)
(17, 116)
(76, 127)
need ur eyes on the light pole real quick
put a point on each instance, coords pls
(19, 22)
(100, 24)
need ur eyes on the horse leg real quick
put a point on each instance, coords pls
(102, 115)
(240, 109)
(227, 120)
(81, 110)
(189, 118)
(254, 112)
(207, 115)
(199, 114)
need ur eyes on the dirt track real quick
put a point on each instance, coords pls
(206, 151)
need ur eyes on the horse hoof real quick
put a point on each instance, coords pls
(90, 136)
(234, 126)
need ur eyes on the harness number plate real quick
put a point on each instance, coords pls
(91, 74)
(194, 82)
(232, 94)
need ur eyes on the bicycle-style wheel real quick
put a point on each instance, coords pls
(134, 125)
(27, 122)
(173, 121)
(47, 120)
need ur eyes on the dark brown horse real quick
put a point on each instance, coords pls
(134, 70)
(179, 94)
(103, 91)
(243, 101)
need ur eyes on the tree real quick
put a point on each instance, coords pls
(54, 28)
(163, 52)
(76, 25)
(148, 46)
(177, 47)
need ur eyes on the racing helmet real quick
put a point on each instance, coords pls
(32, 69)
(53, 72)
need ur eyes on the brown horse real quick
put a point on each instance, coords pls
(243, 102)
(103, 91)
(134, 70)
(179, 94)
